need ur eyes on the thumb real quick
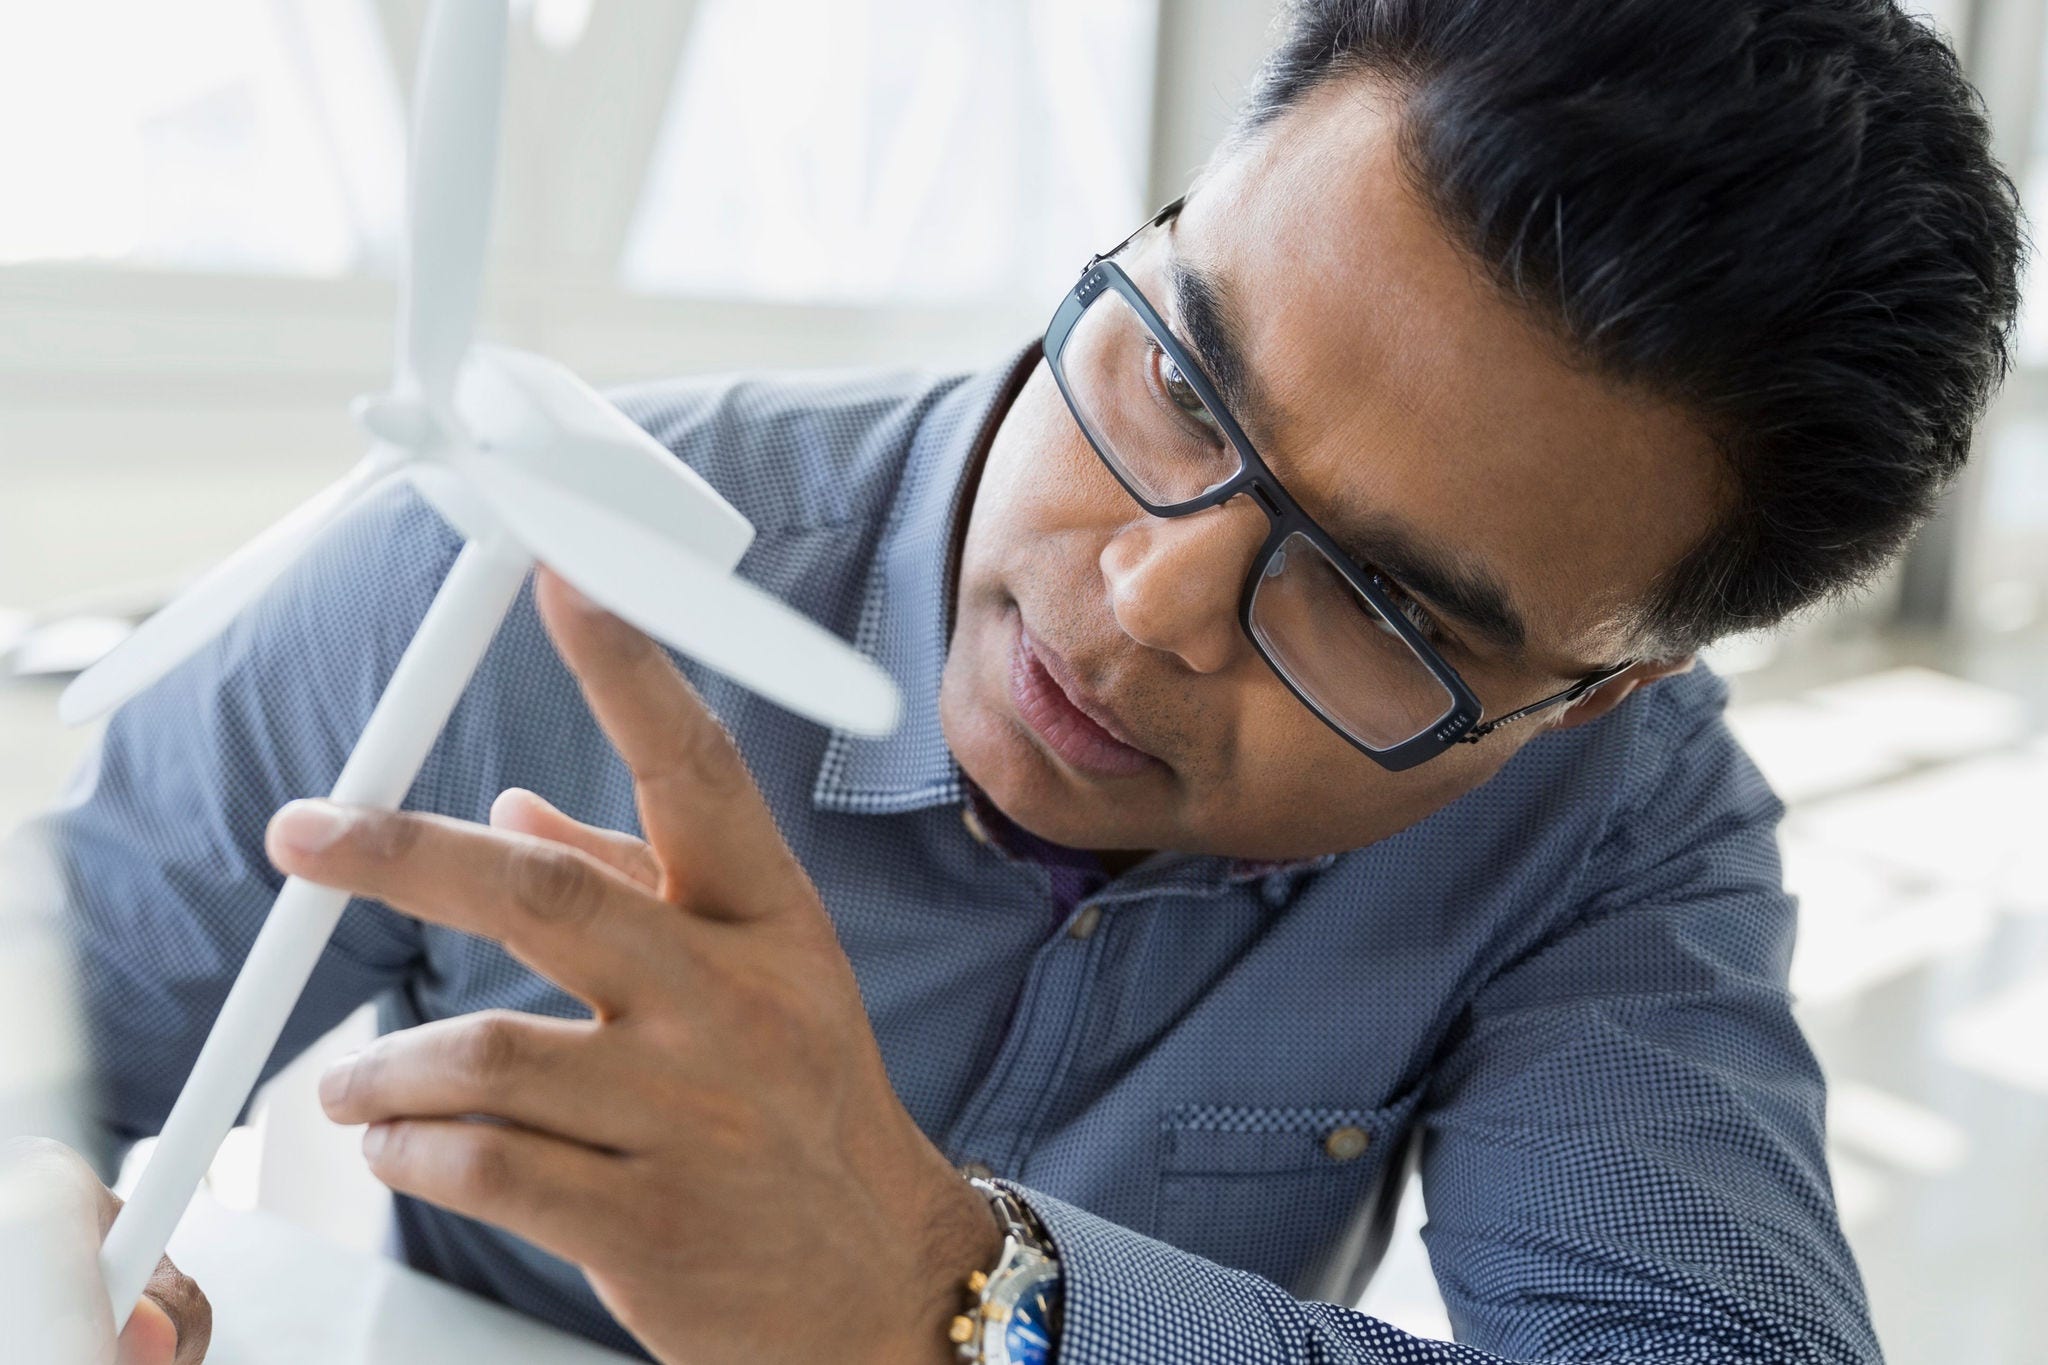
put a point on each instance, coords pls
(150, 1338)
(522, 812)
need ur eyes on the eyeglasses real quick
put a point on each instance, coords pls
(1347, 640)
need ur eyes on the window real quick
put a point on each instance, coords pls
(896, 151)
(2007, 582)
(233, 135)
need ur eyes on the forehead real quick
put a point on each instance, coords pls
(1403, 383)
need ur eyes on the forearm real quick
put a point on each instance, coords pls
(1131, 1299)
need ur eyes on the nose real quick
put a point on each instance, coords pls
(1174, 581)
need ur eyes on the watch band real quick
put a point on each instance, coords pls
(1013, 1216)
(1027, 1261)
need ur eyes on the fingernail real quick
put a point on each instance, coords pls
(334, 1080)
(506, 802)
(310, 826)
(374, 1138)
(521, 797)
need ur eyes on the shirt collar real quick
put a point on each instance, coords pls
(906, 608)
(989, 826)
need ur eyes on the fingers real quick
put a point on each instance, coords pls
(172, 1323)
(53, 1213)
(53, 1194)
(522, 812)
(150, 1338)
(719, 848)
(555, 1076)
(585, 927)
(172, 1312)
(550, 1192)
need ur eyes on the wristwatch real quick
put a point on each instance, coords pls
(1013, 1311)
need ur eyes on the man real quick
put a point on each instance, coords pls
(1304, 774)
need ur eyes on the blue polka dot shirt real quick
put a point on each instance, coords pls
(1562, 997)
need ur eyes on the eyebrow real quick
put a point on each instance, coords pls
(1447, 581)
(1210, 327)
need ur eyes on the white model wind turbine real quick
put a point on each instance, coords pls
(527, 462)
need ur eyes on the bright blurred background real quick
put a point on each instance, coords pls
(198, 229)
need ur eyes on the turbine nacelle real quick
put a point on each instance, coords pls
(536, 416)
(397, 420)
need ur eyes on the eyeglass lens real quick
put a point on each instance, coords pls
(1339, 652)
(1134, 404)
(1313, 626)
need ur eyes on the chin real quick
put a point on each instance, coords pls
(1027, 785)
(1077, 822)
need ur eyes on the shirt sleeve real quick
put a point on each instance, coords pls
(1621, 1141)
(157, 839)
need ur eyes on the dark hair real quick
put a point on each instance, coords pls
(1782, 215)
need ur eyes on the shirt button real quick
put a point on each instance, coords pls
(978, 1169)
(1085, 922)
(1347, 1143)
(974, 825)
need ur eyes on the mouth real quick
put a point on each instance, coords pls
(1080, 731)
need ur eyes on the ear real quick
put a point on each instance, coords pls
(1609, 694)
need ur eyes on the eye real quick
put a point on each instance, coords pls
(1418, 616)
(1174, 384)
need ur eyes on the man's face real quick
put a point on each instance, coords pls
(1397, 393)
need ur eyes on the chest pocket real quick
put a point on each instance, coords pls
(1273, 1190)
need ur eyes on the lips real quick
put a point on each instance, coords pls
(1079, 730)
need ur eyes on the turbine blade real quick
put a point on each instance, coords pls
(457, 95)
(203, 610)
(542, 419)
(678, 597)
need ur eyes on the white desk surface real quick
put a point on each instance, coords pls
(284, 1296)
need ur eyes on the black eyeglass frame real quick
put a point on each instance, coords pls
(1459, 724)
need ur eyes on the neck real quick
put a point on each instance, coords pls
(1117, 861)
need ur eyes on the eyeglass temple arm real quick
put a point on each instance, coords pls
(1154, 221)
(1570, 694)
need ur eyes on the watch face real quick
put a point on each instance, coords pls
(1028, 1334)
(1025, 1335)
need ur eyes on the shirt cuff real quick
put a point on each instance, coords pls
(1126, 1297)
(1129, 1299)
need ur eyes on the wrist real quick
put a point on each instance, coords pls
(1012, 1313)
(960, 1238)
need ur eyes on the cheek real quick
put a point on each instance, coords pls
(1042, 508)
(1298, 789)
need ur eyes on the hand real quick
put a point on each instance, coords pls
(172, 1322)
(719, 1147)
